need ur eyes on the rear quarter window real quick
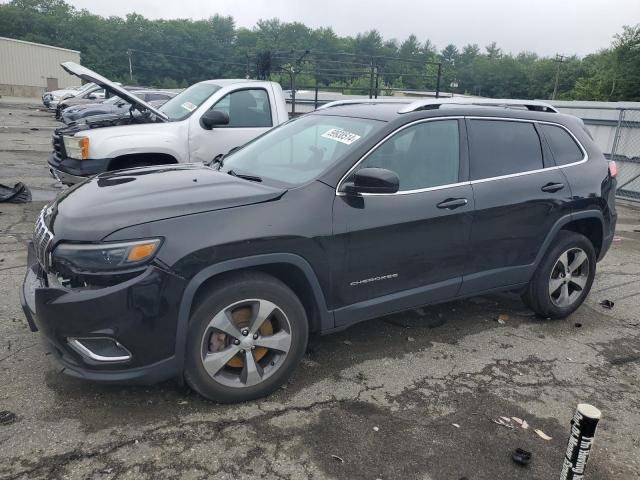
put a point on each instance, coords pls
(501, 147)
(564, 148)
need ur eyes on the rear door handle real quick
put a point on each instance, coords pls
(452, 203)
(552, 187)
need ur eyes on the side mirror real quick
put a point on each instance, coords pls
(213, 118)
(373, 180)
(92, 96)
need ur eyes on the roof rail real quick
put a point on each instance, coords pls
(364, 101)
(428, 104)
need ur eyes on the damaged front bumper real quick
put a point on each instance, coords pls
(120, 333)
(71, 171)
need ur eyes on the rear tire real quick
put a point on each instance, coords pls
(564, 277)
(245, 339)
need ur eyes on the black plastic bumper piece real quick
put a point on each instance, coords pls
(79, 168)
(140, 313)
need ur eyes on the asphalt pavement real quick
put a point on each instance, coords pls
(409, 396)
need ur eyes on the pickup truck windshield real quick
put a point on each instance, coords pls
(185, 103)
(301, 149)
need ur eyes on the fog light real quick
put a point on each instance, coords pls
(100, 349)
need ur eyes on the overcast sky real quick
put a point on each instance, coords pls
(546, 27)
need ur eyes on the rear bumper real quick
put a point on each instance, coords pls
(139, 314)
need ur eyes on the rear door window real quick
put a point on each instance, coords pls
(500, 147)
(564, 148)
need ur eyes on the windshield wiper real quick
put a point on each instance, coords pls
(252, 178)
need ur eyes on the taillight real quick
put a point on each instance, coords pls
(613, 168)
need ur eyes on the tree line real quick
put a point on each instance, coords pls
(177, 53)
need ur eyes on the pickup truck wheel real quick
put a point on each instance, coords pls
(245, 339)
(563, 278)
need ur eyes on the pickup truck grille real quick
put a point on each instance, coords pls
(58, 146)
(42, 241)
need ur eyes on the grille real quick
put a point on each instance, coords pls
(58, 146)
(42, 240)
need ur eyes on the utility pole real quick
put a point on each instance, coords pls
(130, 65)
(371, 78)
(438, 80)
(293, 71)
(559, 59)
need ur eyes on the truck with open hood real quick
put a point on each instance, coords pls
(205, 120)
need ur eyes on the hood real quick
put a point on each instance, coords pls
(109, 202)
(80, 107)
(62, 92)
(91, 76)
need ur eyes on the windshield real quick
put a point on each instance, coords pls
(113, 100)
(186, 102)
(301, 149)
(85, 87)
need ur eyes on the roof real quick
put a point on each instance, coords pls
(435, 103)
(387, 111)
(223, 82)
(39, 44)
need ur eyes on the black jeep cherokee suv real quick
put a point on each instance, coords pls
(218, 274)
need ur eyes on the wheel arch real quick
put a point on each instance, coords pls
(293, 270)
(589, 223)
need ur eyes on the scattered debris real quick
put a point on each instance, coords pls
(375, 429)
(608, 304)
(577, 325)
(182, 402)
(542, 435)
(337, 458)
(455, 425)
(348, 342)
(411, 339)
(19, 193)
(7, 417)
(503, 317)
(523, 423)
(501, 421)
(521, 457)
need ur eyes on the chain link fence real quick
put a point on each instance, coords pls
(616, 130)
(626, 152)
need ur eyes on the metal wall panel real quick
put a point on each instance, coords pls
(30, 64)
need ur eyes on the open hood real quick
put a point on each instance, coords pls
(91, 76)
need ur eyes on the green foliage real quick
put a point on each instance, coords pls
(176, 53)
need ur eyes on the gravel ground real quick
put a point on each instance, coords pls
(378, 401)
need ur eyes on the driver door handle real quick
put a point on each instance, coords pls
(451, 203)
(552, 187)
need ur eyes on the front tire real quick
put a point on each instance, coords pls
(564, 277)
(245, 339)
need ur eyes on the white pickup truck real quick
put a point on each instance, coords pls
(207, 119)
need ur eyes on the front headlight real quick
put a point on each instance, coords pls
(105, 256)
(76, 147)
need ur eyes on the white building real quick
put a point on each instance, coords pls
(29, 69)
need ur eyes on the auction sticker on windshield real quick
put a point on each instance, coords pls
(341, 136)
(189, 106)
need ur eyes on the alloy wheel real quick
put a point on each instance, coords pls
(569, 277)
(246, 342)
